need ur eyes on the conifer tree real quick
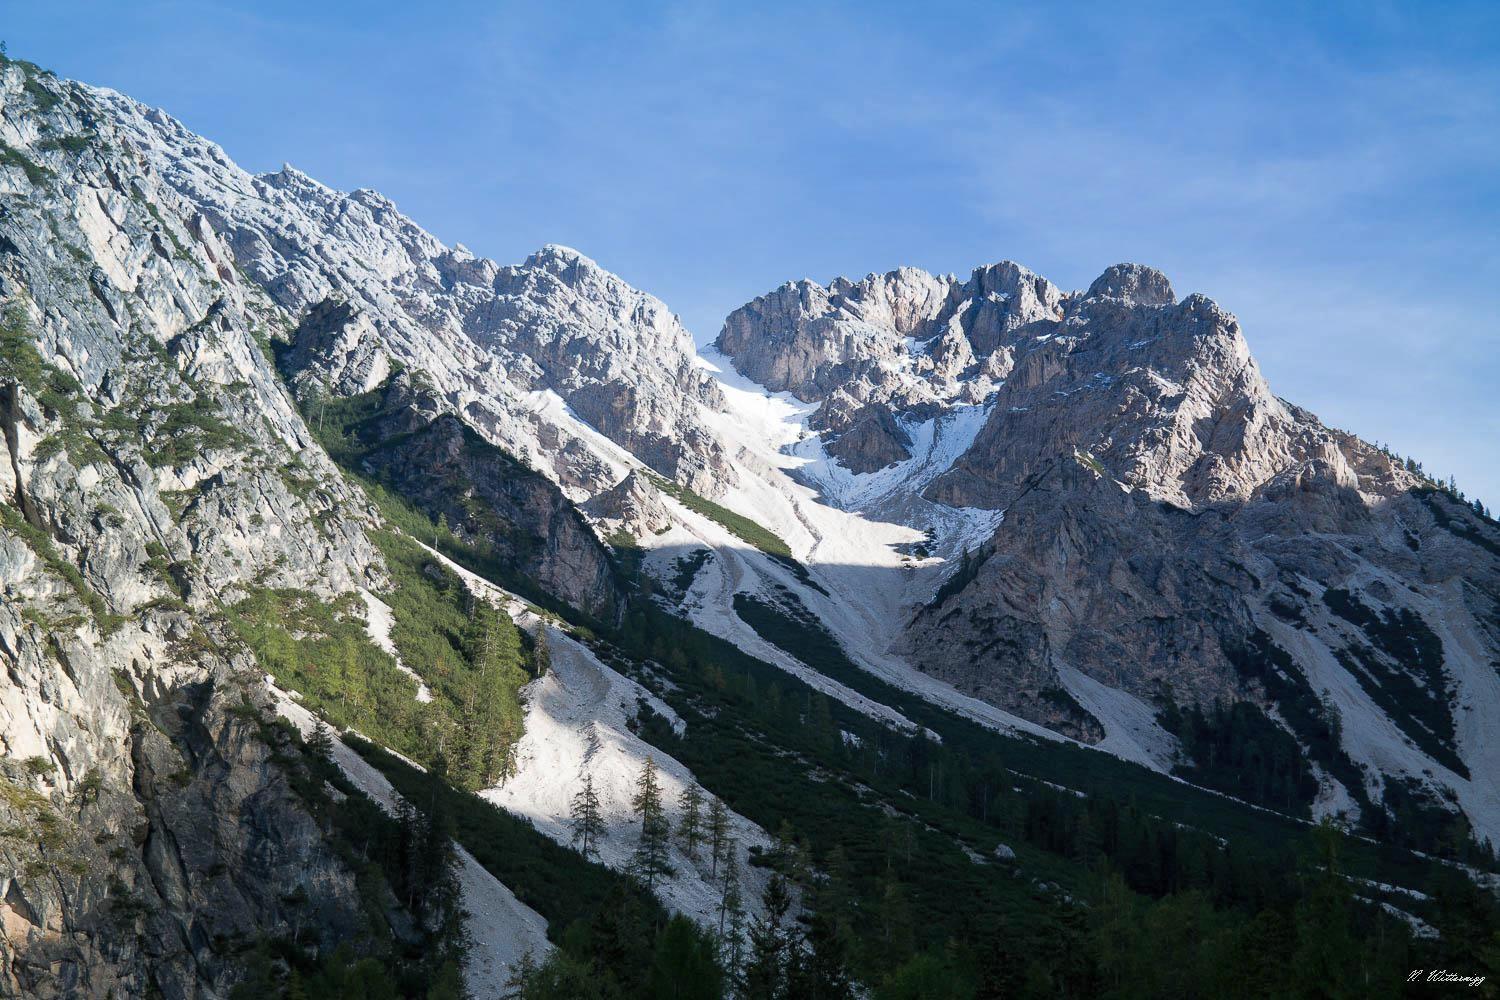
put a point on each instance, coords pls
(718, 834)
(486, 737)
(541, 652)
(823, 972)
(586, 820)
(731, 912)
(650, 861)
(772, 944)
(320, 740)
(690, 825)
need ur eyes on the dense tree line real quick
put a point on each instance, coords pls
(1237, 749)
(888, 893)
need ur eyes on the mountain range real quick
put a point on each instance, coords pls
(324, 541)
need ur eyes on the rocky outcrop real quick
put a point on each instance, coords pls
(336, 350)
(1162, 396)
(905, 342)
(515, 516)
(870, 440)
(634, 506)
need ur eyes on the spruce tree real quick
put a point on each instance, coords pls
(586, 819)
(650, 862)
(690, 825)
(320, 740)
(823, 972)
(718, 834)
(731, 912)
(772, 943)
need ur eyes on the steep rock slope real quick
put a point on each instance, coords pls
(153, 466)
(905, 342)
(401, 436)
(157, 467)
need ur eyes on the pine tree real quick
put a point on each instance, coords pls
(522, 979)
(320, 740)
(690, 826)
(772, 943)
(823, 973)
(650, 862)
(586, 819)
(541, 652)
(731, 912)
(439, 529)
(718, 834)
(684, 966)
(1325, 935)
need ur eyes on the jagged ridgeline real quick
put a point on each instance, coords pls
(379, 620)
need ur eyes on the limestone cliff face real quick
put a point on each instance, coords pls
(413, 446)
(905, 342)
(152, 467)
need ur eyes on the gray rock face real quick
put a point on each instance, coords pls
(905, 343)
(499, 342)
(338, 343)
(906, 339)
(515, 515)
(153, 466)
(871, 440)
(634, 506)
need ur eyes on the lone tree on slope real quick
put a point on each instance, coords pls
(690, 825)
(586, 820)
(650, 862)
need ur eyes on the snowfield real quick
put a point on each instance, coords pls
(786, 482)
(577, 723)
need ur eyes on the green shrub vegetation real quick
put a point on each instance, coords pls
(184, 430)
(41, 544)
(20, 361)
(472, 658)
(746, 530)
(12, 157)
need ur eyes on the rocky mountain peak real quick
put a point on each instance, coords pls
(1133, 284)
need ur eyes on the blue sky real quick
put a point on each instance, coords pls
(1329, 173)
